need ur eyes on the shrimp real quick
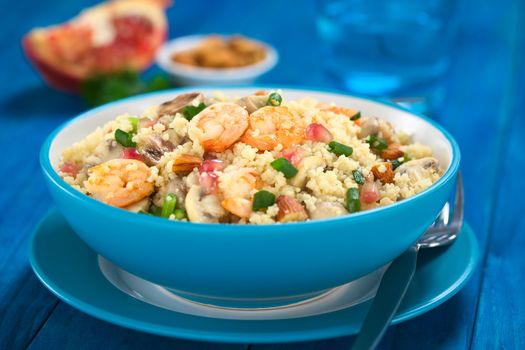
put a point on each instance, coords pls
(236, 187)
(340, 110)
(218, 126)
(270, 126)
(119, 182)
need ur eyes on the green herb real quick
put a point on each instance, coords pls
(179, 214)
(358, 177)
(124, 138)
(356, 116)
(340, 149)
(154, 210)
(191, 111)
(262, 200)
(169, 205)
(274, 99)
(353, 203)
(284, 166)
(158, 82)
(103, 88)
(145, 212)
(396, 162)
(134, 123)
(376, 143)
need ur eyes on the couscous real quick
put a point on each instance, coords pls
(257, 159)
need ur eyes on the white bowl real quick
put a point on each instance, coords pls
(189, 75)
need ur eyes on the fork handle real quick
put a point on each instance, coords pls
(392, 289)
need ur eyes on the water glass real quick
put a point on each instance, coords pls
(386, 47)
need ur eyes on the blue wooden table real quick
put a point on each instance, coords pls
(484, 108)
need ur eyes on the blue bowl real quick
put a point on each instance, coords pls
(237, 265)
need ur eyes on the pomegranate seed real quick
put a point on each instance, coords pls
(369, 192)
(146, 123)
(211, 165)
(293, 155)
(131, 153)
(71, 169)
(317, 132)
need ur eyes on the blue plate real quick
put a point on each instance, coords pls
(69, 268)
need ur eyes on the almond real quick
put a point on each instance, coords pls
(387, 176)
(185, 163)
(392, 152)
(290, 209)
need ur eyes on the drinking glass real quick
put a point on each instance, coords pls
(392, 48)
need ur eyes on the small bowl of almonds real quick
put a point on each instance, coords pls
(216, 59)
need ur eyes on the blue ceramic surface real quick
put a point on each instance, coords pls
(248, 261)
(69, 268)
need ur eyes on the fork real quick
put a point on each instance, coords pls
(392, 289)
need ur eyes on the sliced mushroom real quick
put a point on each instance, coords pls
(369, 126)
(154, 148)
(202, 207)
(312, 162)
(142, 205)
(253, 102)
(419, 168)
(178, 103)
(327, 210)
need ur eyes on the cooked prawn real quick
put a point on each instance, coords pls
(270, 126)
(218, 126)
(119, 182)
(349, 112)
(236, 187)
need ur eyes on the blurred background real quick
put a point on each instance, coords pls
(461, 62)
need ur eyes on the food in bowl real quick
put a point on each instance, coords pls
(280, 262)
(257, 159)
(216, 51)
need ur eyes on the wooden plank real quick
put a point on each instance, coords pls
(500, 322)
(70, 329)
(34, 110)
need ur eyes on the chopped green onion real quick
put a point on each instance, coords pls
(124, 138)
(376, 143)
(145, 212)
(191, 111)
(262, 200)
(284, 166)
(358, 177)
(154, 210)
(274, 99)
(179, 214)
(356, 116)
(134, 123)
(396, 162)
(340, 149)
(353, 203)
(169, 205)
